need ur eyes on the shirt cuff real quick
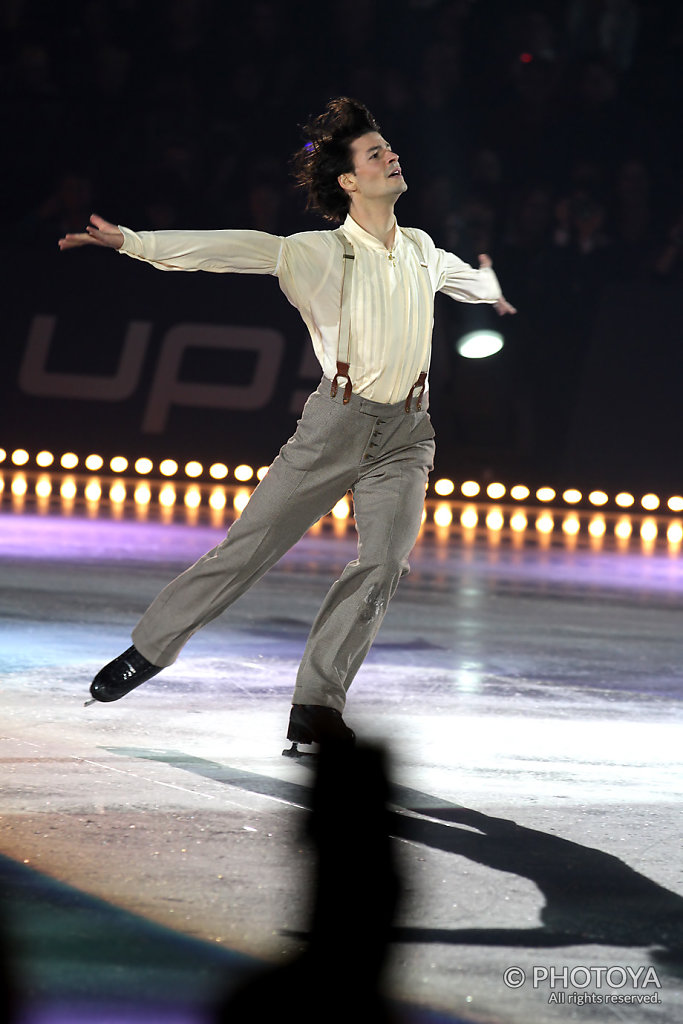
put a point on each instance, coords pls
(132, 243)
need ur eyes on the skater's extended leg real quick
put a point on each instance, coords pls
(279, 512)
(303, 483)
(388, 502)
(313, 470)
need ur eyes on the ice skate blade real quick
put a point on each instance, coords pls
(299, 755)
(89, 702)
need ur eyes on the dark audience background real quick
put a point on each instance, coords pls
(547, 134)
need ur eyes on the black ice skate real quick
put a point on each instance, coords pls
(121, 676)
(312, 723)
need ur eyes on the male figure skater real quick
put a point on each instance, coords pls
(366, 294)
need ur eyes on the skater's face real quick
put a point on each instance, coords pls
(376, 171)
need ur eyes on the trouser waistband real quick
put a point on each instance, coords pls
(366, 406)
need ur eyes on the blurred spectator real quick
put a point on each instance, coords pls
(436, 201)
(521, 122)
(470, 230)
(633, 211)
(595, 122)
(398, 104)
(580, 264)
(443, 112)
(67, 208)
(265, 207)
(486, 176)
(171, 191)
(528, 230)
(353, 37)
(588, 174)
(185, 29)
(632, 219)
(33, 113)
(579, 223)
(668, 262)
(607, 27)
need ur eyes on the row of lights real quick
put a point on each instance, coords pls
(545, 523)
(141, 494)
(571, 496)
(444, 515)
(443, 487)
(142, 466)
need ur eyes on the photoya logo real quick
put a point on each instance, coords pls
(635, 986)
(167, 387)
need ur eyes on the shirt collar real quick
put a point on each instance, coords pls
(358, 234)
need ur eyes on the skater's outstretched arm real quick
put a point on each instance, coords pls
(222, 251)
(98, 232)
(458, 279)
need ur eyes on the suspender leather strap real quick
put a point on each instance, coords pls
(344, 343)
(422, 379)
(342, 372)
(419, 383)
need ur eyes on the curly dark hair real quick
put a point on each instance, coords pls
(327, 154)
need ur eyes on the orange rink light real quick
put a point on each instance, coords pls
(495, 520)
(342, 510)
(167, 496)
(93, 491)
(444, 487)
(443, 515)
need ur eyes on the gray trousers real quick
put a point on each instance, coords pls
(379, 452)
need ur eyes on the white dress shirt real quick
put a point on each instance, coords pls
(392, 295)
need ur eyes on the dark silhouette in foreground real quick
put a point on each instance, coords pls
(339, 977)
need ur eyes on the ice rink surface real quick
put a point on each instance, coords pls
(528, 696)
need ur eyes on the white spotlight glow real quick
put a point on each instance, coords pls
(479, 344)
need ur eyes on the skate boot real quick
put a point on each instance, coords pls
(312, 723)
(121, 676)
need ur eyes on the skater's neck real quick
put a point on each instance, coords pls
(379, 220)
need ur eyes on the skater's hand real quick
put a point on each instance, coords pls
(98, 232)
(502, 306)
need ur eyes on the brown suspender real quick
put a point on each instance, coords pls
(344, 321)
(419, 383)
(343, 365)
